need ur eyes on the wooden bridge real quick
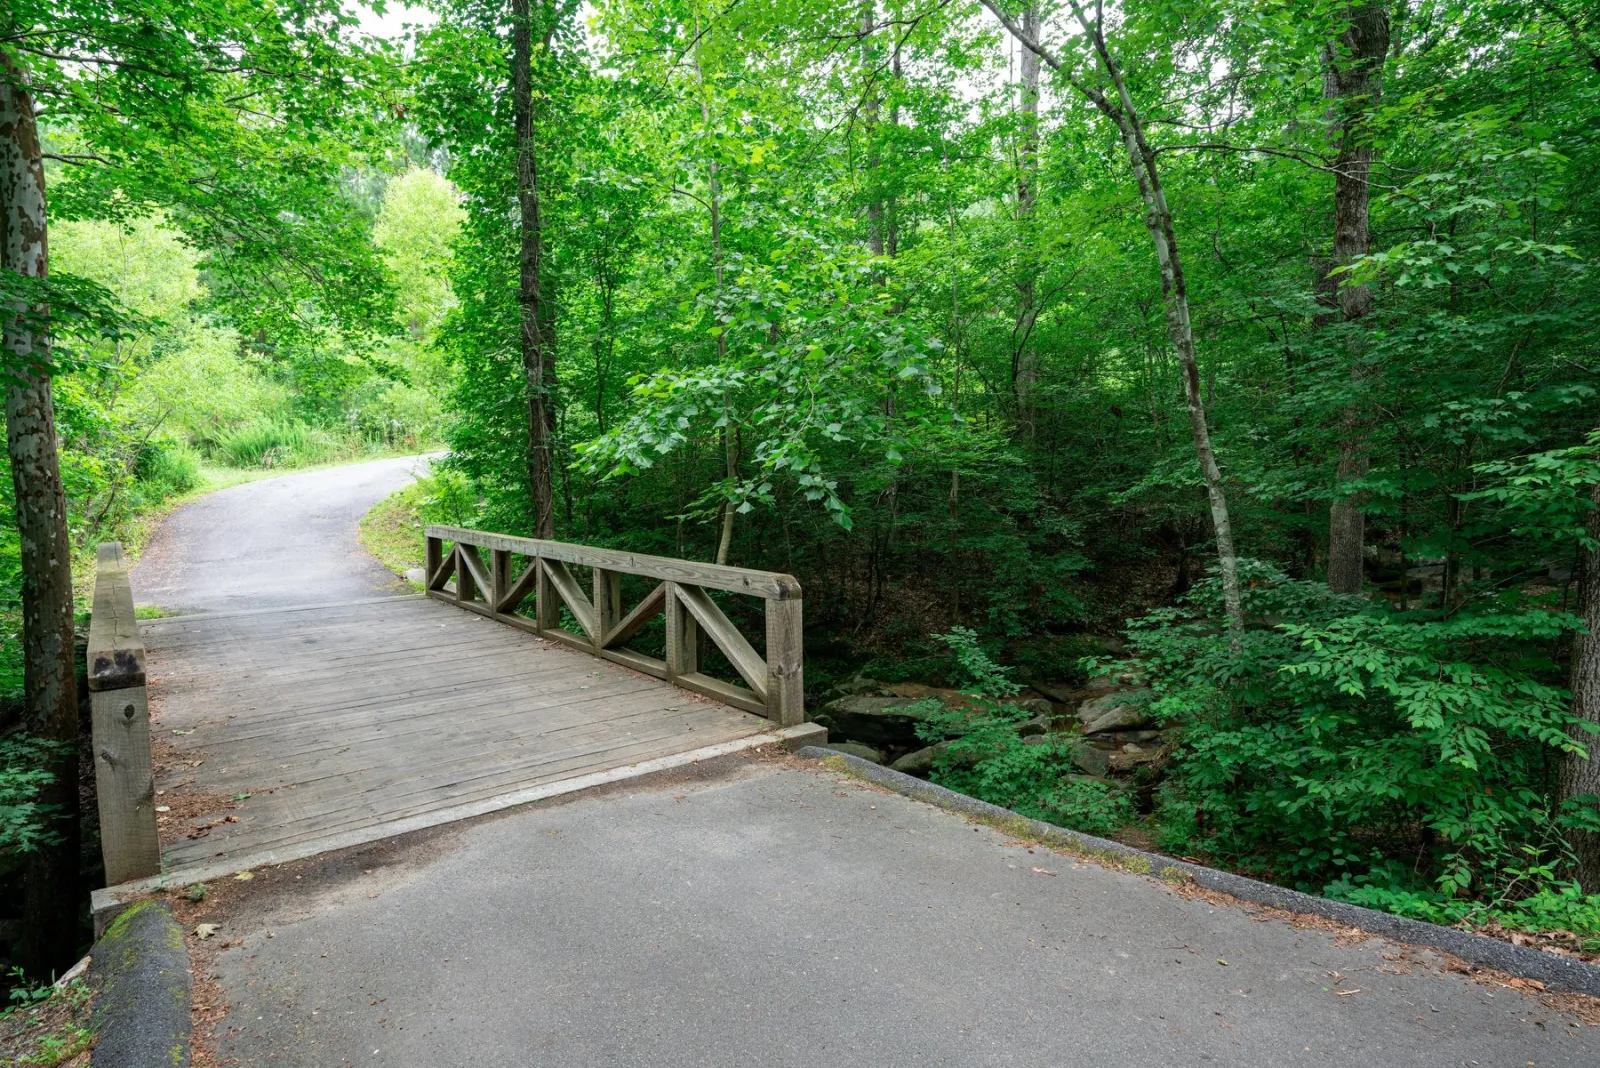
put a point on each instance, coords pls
(285, 732)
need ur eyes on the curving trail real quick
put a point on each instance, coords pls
(752, 912)
(280, 541)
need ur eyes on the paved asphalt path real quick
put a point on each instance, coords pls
(775, 914)
(277, 542)
(762, 912)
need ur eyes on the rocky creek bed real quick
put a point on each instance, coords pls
(1107, 723)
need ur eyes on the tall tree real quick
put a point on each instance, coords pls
(1119, 108)
(1580, 774)
(535, 324)
(1353, 79)
(50, 913)
(147, 100)
(1025, 352)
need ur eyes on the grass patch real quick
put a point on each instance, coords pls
(393, 530)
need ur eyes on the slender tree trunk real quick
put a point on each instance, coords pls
(730, 452)
(1354, 80)
(50, 710)
(869, 109)
(891, 245)
(533, 331)
(1581, 775)
(1175, 292)
(1025, 359)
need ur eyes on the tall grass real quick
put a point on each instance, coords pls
(275, 443)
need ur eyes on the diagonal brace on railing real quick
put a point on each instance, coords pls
(774, 681)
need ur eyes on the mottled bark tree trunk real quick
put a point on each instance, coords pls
(1025, 355)
(1353, 75)
(1581, 775)
(869, 112)
(1122, 113)
(533, 331)
(51, 907)
(730, 447)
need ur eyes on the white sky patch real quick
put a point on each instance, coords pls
(394, 20)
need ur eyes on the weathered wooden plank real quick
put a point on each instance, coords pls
(727, 692)
(767, 584)
(433, 557)
(383, 810)
(346, 785)
(547, 608)
(566, 584)
(124, 783)
(607, 604)
(786, 691)
(720, 629)
(393, 716)
(120, 725)
(683, 636)
(637, 661)
(518, 591)
(116, 653)
(654, 604)
(474, 584)
(443, 572)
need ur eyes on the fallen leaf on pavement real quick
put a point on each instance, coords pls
(206, 930)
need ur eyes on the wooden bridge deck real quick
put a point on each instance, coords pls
(363, 716)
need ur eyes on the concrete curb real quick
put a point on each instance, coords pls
(141, 1010)
(1557, 973)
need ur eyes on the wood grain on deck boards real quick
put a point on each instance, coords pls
(343, 716)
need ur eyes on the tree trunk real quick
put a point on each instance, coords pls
(1580, 776)
(730, 452)
(869, 109)
(51, 908)
(1354, 80)
(1175, 292)
(1025, 358)
(533, 333)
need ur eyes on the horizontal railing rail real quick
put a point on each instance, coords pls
(773, 681)
(120, 713)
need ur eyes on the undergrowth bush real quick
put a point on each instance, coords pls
(167, 469)
(983, 754)
(1350, 746)
(23, 820)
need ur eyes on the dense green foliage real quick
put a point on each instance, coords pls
(820, 267)
(940, 404)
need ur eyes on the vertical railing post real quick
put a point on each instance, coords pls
(683, 637)
(432, 561)
(607, 604)
(786, 705)
(466, 588)
(547, 608)
(499, 578)
(120, 714)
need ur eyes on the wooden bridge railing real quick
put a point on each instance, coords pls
(773, 683)
(120, 709)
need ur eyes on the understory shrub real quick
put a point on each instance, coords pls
(983, 754)
(1349, 744)
(168, 468)
(23, 823)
